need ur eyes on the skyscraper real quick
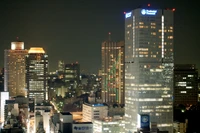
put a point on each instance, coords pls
(14, 69)
(37, 74)
(112, 55)
(185, 84)
(149, 65)
(61, 66)
(72, 73)
(72, 78)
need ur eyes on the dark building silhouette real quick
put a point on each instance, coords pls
(185, 84)
(1, 79)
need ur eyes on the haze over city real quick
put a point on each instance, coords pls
(73, 30)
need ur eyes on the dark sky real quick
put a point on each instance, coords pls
(73, 30)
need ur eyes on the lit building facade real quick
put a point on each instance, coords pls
(149, 66)
(94, 111)
(109, 125)
(180, 127)
(14, 69)
(37, 74)
(72, 73)
(3, 97)
(61, 66)
(185, 84)
(112, 55)
(72, 78)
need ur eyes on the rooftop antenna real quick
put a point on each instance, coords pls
(109, 36)
(17, 38)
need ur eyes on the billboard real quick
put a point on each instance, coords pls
(143, 121)
(83, 128)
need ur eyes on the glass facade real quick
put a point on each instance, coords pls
(37, 75)
(112, 72)
(185, 84)
(149, 65)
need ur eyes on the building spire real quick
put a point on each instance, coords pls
(109, 36)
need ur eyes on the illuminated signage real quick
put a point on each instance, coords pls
(128, 14)
(148, 12)
(82, 128)
(144, 121)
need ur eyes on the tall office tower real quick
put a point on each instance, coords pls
(61, 66)
(112, 72)
(37, 74)
(72, 73)
(185, 84)
(149, 65)
(72, 78)
(14, 69)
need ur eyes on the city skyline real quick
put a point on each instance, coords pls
(62, 27)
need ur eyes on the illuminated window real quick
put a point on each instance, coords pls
(129, 25)
(170, 37)
(183, 91)
(190, 75)
(181, 84)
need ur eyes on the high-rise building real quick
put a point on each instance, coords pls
(61, 66)
(112, 54)
(72, 78)
(149, 65)
(37, 74)
(185, 84)
(3, 97)
(14, 69)
(72, 73)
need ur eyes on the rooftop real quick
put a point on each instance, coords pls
(35, 50)
(65, 113)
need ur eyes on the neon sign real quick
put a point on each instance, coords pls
(128, 14)
(148, 12)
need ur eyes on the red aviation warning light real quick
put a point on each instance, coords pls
(149, 5)
(173, 9)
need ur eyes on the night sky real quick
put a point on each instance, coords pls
(73, 30)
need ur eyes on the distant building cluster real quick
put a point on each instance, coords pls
(139, 88)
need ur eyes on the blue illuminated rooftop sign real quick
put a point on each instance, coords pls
(148, 12)
(98, 105)
(128, 14)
